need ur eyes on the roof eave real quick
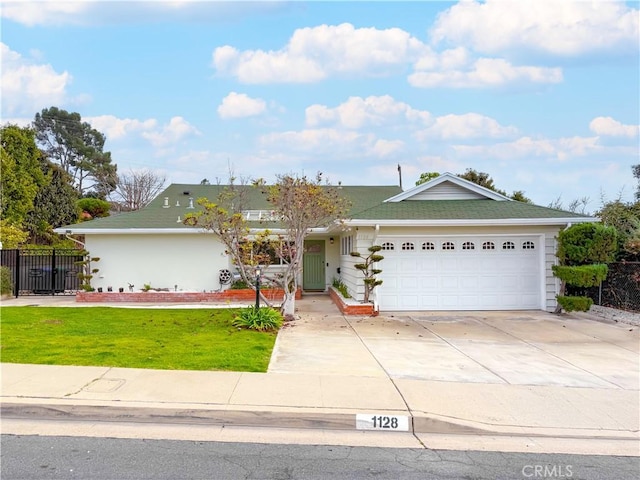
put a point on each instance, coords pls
(471, 222)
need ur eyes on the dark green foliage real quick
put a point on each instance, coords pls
(583, 249)
(261, 319)
(581, 275)
(575, 304)
(625, 218)
(586, 243)
(484, 180)
(6, 283)
(21, 173)
(78, 149)
(94, 207)
(239, 285)
(370, 280)
(341, 287)
(54, 205)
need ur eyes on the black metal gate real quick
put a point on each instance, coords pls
(43, 271)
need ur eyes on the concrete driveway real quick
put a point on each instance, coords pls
(513, 348)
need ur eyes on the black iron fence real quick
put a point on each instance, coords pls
(43, 271)
(620, 290)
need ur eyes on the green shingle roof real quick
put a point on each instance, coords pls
(460, 210)
(367, 203)
(155, 215)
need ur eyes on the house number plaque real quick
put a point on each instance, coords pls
(371, 421)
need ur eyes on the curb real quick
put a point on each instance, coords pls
(418, 424)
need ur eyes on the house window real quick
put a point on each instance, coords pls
(346, 245)
(388, 246)
(428, 246)
(488, 246)
(408, 246)
(508, 246)
(448, 246)
(528, 246)
(468, 246)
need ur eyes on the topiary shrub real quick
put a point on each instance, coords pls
(6, 282)
(368, 270)
(574, 304)
(583, 250)
(581, 275)
(261, 319)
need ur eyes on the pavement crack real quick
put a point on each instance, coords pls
(404, 400)
(89, 383)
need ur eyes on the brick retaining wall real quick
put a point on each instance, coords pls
(350, 308)
(232, 296)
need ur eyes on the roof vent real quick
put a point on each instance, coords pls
(179, 219)
(166, 202)
(191, 203)
(177, 203)
(186, 192)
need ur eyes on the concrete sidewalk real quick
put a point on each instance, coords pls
(442, 414)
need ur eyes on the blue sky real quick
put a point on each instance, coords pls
(541, 95)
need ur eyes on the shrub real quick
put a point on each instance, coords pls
(578, 304)
(341, 287)
(261, 319)
(6, 284)
(239, 285)
(581, 275)
(94, 207)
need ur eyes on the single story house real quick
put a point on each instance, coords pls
(448, 244)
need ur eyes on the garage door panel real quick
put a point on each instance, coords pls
(449, 282)
(461, 279)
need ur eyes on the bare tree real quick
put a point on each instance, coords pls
(135, 189)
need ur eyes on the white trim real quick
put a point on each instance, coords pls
(448, 177)
(469, 222)
(128, 231)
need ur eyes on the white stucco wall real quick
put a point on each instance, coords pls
(190, 261)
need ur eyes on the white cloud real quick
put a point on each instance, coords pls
(565, 28)
(385, 148)
(28, 87)
(314, 53)
(177, 129)
(323, 139)
(358, 112)
(468, 125)
(96, 12)
(238, 105)
(116, 128)
(561, 149)
(484, 72)
(31, 13)
(607, 126)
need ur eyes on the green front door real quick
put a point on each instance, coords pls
(313, 277)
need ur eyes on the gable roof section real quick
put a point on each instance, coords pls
(157, 216)
(447, 187)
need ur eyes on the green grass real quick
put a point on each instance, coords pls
(170, 339)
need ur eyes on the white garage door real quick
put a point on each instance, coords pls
(461, 273)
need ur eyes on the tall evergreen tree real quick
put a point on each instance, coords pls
(78, 149)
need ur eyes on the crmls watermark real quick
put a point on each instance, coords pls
(547, 471)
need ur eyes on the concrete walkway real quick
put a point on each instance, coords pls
(342, 367)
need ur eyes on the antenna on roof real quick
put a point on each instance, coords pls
(400, 175)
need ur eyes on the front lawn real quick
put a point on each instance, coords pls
(170, 339)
